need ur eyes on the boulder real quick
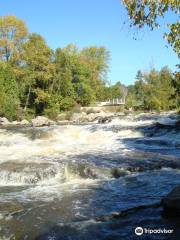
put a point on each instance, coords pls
(89, 110)
(79, 117)
(14, 123)
(41, 121)
(171, 203)
(24, 122)
(4, 121)
(99, 116)
(104, 120)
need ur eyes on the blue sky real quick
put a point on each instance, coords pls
(96, 22)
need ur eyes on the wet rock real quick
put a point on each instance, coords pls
(11, 209)
(136, 169)
(41, 121)
(104, 120)
(171, 203)
(4, 121)
(117, 172)
(178, 124)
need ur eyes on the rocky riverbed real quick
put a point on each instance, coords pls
(90, 179)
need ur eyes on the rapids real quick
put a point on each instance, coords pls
(66, 181)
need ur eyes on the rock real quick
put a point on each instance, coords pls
(24, 122)
(104, 120)
(79, 117)
(15, 123)
(62, 117)
(100, 116)
(41, 121)
(117, 172)
(171, 203)
(4, 121)
(11, 209)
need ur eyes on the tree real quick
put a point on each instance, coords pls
(37, 58)
(9, 101)
(166, 91)
(176, 85)
(153, 90)
(96, 59)
(147, 13)
(116, 91)
(13, 32)
(81, 73)
(64, 62)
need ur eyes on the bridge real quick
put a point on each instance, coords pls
(112, 102)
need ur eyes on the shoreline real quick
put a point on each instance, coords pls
(92, 118)
(80, 118)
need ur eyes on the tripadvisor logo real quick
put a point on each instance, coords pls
(139, 231)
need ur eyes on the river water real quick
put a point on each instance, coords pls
(70, 182)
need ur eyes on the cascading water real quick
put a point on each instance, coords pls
(59, 182)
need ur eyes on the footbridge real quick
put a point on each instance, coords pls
(112, 102)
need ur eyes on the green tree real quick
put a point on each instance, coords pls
(153, 90)
(9, 101)
(81, 73)
(39, 73)
(116, 90)
(176, 85)
(96, 59)
(64, 60)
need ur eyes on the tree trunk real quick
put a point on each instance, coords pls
(27, 100)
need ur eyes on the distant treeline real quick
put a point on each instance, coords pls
(155, 90)
(36, 80)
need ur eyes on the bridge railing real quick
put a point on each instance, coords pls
(114, 101)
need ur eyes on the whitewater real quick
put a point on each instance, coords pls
(67, 181)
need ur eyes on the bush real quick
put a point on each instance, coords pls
(66, 104)
(29, 114)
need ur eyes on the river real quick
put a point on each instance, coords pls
(70, 182)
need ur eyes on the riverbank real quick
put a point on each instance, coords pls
(83, 116)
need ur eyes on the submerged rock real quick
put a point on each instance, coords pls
(41, 121)
(9, 210)
(171, 203)
(117, 172)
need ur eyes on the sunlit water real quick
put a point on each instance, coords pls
(65, 182)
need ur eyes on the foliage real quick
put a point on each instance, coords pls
(39, 72)
(35, 80)
(152, 91)
(147, 12)
(9, 101)
(12, 33)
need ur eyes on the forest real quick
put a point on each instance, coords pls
(37, 80)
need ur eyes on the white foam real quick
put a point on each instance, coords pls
(130, 122)
(68, 140)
